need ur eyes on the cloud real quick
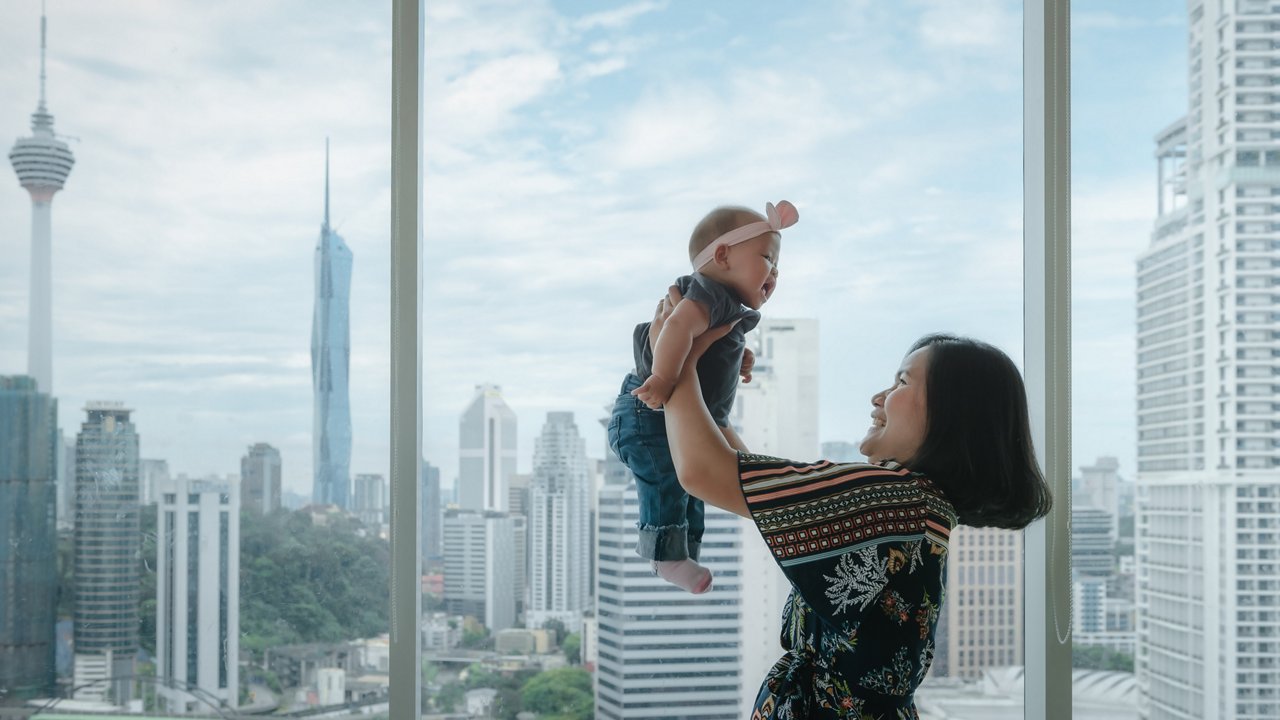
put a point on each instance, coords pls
(567, 159)
(975, 25)
(616, 18)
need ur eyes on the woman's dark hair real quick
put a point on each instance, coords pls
(977, 446)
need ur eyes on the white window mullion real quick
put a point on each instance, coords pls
(1047, 348)
(406, 356)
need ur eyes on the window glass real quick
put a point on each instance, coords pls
(570, 149)
(1169, 187)
(194, 356)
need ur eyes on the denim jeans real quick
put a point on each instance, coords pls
(671, 521)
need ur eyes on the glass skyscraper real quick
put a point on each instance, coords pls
(330, 365)
(108, 542)
(28, 538)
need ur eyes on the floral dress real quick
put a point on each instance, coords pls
(865, 549)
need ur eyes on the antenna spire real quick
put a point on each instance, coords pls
(43, 23)
(326, 183)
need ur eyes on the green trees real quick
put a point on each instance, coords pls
(561, 693)
(1094, 657)
(573, 649)
(299, 581)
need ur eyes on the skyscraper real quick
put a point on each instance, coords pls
(559, 521)
(775, 414)
(198, 594)
(486, 452)
(107, 545)
(260, 478)
(479, 566)
(154, 473)
(1208, 481)
(432, 515)
(369, 499)
(330, 364)
(981, 622)
(779, 407)
(42, 163)
(28, 538)
(661, 652)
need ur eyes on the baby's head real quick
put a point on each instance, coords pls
(739, 247)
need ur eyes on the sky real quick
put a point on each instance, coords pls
(570, 148)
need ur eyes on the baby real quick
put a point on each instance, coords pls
(735, 260)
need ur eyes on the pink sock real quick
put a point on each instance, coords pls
(685, 573)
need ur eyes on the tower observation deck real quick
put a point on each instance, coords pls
(42, 163)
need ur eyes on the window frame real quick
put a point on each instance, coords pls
(1046, 351)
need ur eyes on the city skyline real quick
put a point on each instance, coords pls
(240, 377)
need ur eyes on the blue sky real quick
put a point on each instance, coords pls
(570, 149)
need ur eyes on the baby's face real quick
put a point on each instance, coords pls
(753, 268)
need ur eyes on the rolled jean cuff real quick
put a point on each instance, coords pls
(667, 543)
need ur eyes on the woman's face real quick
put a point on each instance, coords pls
(898, 415)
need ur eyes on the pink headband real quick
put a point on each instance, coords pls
(783, 216)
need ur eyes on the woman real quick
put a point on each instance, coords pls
(865, 544)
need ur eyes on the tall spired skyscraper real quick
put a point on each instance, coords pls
(42, 163)
(330, 362)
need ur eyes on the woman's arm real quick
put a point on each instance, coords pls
(731, 436)
(705, 462)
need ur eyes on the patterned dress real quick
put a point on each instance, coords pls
(865, 549)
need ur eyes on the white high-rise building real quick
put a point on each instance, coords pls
(198, 595)
(775, 414)
(559, 518)
(480, 556)
(486, 451)
(152, 474)
(662, 652)
(1208, 316)
(778, 409)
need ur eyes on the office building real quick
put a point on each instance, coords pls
(153, 474)
(432, 515)
(980, 626)
(480, 557)
(486, 451)
(1208, 317)
(1092, 543)
(28, 538)
(330, 364)
(646, 629)
(369, 500)
(559, 521)
(198, 595)
(107, 545)
(260, 478)
(774, 414)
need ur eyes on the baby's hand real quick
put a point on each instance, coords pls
(748, 362)
(654, 392)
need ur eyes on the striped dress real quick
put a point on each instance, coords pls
(865, 549)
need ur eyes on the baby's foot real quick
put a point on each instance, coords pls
(685, 573)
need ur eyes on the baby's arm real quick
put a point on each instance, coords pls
(687, 321)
